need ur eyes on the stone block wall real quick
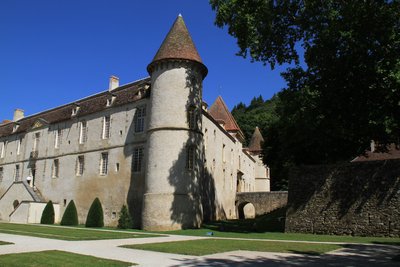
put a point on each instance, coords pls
(360, 199)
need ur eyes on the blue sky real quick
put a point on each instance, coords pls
(55, 52)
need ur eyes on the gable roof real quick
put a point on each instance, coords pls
(124, 94)
(393, 152)
(256, 141)
(219, 111)
(178, 44)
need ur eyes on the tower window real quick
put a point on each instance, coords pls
(192, 117)
(106, 127)
(16, 174)
(191, 157)
(80, 164)
(56, 168)
(104, 163)
(140, 116)
(1, 174)
(137, 159)
(82, 132)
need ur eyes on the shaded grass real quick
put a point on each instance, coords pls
(56, 258)
(5, 243)
(66, 233)
(212, 246)
(246, 229)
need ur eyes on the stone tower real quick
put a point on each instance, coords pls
(174, 155)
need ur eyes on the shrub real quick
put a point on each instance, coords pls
(70, 216)
(48, 214)
(125, 220)
(95, 215)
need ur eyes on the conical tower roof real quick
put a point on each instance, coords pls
(178, 45)
(219, 111)
(256, 142)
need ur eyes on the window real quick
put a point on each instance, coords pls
(58, 138)
(110, 101)
(16, 174)
(1, 174)
(104, 164)
(191, 157)
(55, 169)
(223, 153)
(80, 164)
(139, 119)
(36, 140)
(192, 118)
(75, 110)
(3, 148)
(137, 159)
(82, 132)
(19, 143)
(106, 127)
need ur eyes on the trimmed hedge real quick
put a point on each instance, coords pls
(48, 214)
(70, 216)
(95, 215)
(125, 220)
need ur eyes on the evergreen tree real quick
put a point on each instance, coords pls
(70, 216)
(48, 214)
(95, 217)
(125, 220)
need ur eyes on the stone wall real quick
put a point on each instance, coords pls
(263, 202)
(360, 199)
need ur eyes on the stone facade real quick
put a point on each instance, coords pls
(151, 144)
(360, 199)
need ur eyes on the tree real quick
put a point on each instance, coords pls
(125, 220)
(347, 91)
(95, 215)
(70, 216)
(48, 214)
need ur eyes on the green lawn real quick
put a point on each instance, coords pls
(250, 228)
(288, 236)
(212, 246)
(56, 258)
(67, 233)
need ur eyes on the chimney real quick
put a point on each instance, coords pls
(18, 114)
(373, 146)
(114, 83)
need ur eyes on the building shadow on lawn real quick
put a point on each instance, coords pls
(351, 255)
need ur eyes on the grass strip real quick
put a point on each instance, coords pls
(287, 236)
(5, 243)
(66, 233)
(211, 246)
(56, 258)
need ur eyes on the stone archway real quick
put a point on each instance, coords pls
(246, 210)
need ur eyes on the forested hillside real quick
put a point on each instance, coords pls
(259, 113)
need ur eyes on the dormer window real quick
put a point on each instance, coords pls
(15, 127)
(75, 110)
(110, 101)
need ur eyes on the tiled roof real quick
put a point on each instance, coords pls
(123, 95)
(178, 44)
(256, 141)
(220, 113)
(393, 152)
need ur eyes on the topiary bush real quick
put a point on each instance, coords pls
(70, 216)
(95, 215)
(125, 220)
(48, 214)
